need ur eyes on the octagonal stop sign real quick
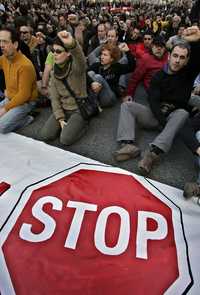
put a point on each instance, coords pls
(90, 230)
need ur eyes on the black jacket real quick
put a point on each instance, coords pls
(113, 73)
(174, 88)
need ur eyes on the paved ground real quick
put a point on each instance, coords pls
(175, 169)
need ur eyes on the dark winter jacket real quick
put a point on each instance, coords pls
(113, 73)
(175, 88)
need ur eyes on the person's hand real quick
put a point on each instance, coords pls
(2, 111)
(62, 123)
(96, 87)
(191, 34)
(123, 47)
(72, 18)
(40, 35)
(65, 37)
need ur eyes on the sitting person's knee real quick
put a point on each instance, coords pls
(183, 113)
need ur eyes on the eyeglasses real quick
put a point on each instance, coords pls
(148, 39)
(57, 51)
(24, 32)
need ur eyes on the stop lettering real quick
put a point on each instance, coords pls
(92, 232)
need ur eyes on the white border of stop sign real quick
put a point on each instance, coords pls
(181, 285)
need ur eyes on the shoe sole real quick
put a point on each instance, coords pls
(124, 157)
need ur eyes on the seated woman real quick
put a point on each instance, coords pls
(66, 120)
(103, 76)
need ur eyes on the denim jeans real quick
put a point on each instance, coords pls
(106, 96)
(16, 117)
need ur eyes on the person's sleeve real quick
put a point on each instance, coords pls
(93, 57)
(136, 77)
(94, 68)
(26, 80)
(50, 59)
(126, 68)
(154, 97)
(55, 102)
(79, 60)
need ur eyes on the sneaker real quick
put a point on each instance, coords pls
(145, 165)
(128, 151)
(191, 189)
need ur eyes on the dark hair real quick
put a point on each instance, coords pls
(148, 32)
(14, 34)
(183, 45)
(58, 41)
(23, 9)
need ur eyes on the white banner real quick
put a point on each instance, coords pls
(71, 225)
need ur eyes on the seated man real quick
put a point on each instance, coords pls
(140, 48)
(99, 38)
(28, 38)
(20, 79)
(176, 38)
(168, 96)
(147, 66)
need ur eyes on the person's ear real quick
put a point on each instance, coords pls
(16, 44)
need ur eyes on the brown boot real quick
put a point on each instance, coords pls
(145, 165)
(128, 151)
(191, 189)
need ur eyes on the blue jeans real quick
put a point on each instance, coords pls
(15, 118)
(106, 96)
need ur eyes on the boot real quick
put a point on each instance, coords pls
(191, 189)
(126, 152)
(145, 165)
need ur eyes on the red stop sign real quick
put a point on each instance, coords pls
(94, 232)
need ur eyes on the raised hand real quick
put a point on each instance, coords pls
(191, 34)
(65, 37)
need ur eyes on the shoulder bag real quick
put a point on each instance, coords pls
(88, 105)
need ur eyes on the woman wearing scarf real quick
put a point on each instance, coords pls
(66, 120)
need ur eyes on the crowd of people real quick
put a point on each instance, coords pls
(61, 52)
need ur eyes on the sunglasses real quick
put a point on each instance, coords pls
(24, 32)
(57, 51)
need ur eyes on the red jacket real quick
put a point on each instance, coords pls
(138, 49)
(146, 67)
